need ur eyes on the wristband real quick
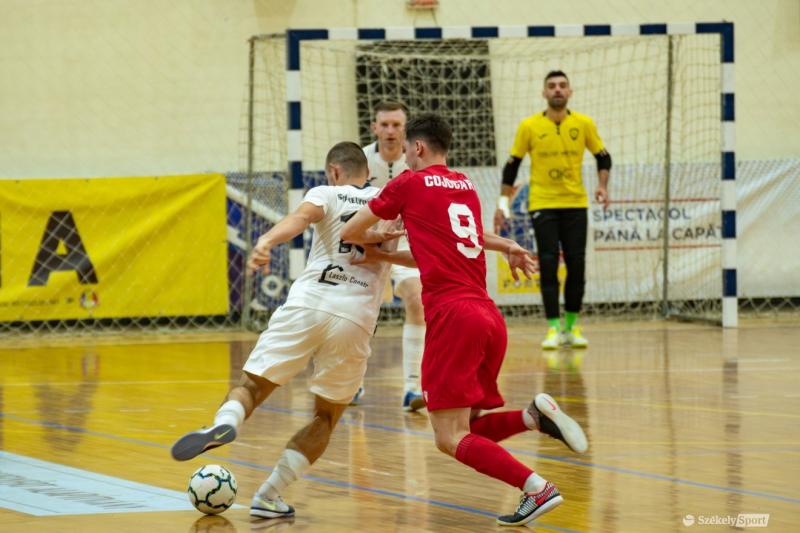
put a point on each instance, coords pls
(502, 205)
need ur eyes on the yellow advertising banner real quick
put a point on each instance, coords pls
(113, 247)
(507, 285)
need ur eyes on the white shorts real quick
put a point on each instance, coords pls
(338, 347)
(402, 273)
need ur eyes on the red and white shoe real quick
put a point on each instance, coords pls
(532, 505)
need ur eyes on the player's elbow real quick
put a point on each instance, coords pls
(350, 232)
(510, 170)
(603, 160)
(302, 218)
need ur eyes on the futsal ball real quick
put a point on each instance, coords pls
(212, 489)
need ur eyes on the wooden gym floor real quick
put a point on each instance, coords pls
(682, 420)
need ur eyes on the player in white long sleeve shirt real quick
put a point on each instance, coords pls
(386, 160)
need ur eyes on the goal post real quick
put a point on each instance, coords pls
(662, 97)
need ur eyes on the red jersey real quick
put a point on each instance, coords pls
(442, 216)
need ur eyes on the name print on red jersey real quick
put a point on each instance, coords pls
(439, 181)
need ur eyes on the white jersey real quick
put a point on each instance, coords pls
(329, 282)
(380, 171)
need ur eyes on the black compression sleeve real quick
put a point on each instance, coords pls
(510, 170)
(603, 160)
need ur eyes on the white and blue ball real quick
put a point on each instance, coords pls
(212, 489)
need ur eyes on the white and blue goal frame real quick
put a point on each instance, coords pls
(295, 37)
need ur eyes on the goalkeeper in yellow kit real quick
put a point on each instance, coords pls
(555, 140)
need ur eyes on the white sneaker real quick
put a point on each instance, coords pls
(552, 340)
(575, 338)
(266, 508)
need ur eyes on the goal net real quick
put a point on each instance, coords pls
(655, 100)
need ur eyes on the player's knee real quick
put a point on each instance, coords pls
(324, 420)
(410, 291)
(258, 387)
(548, 258)
(445, 444)
(575, 259)
(446, 441)
(315, 437)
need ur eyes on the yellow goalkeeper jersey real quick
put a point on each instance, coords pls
(556, 152)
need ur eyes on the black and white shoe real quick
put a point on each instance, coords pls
(556, 423)
(193, 444)
(532, 505)
(357, 397)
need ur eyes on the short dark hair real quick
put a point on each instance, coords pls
(431, 128)
(389, 105)
(555, 74)
(350, 157)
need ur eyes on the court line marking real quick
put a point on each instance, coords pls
(45, 488)
(10, 503)
(556, 458)
(700, 453)
(627, 402)
(327, 481)
(380, 378)
(545, 456)
(741, 443)
(127, 382)
(114, 481)
(633, 402)
(759, 360)
(699, 370)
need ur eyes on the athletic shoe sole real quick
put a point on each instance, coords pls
(260, 512)
(193, 444)
(571, 431)
(545, 507)
(572, 344)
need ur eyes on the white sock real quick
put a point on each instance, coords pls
(534, 483)
(528, 420)
(413, 346)
(291, 465)
(231, 413)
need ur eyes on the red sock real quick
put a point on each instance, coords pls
(498, 426)
(491, 459)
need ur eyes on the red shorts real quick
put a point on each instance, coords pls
(465, 344)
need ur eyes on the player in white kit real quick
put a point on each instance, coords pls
(329, 317)
(386, 160)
